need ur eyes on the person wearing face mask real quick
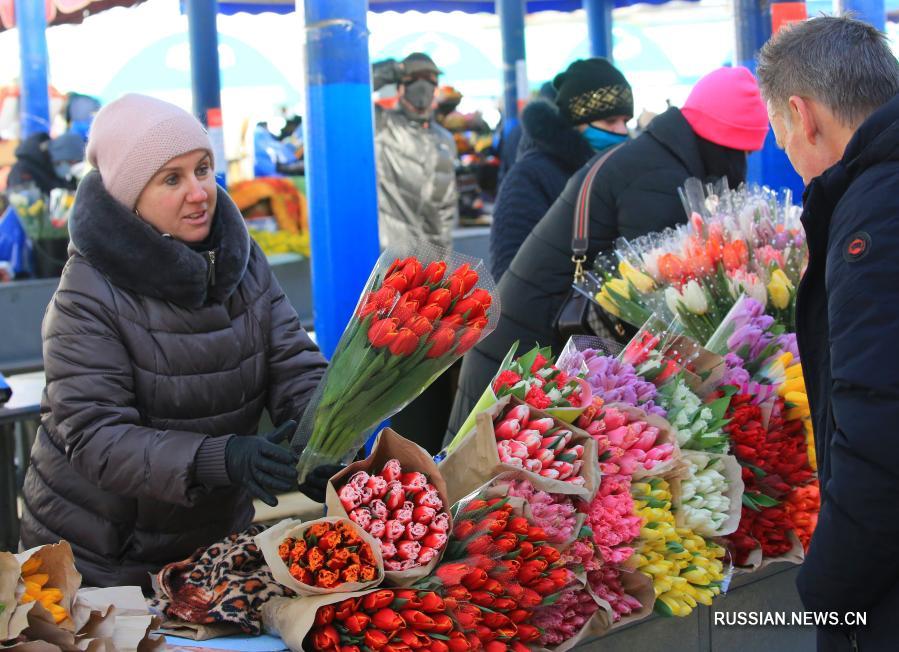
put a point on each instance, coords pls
(415, 157)
(589, 115)
(67, 155)
(167, 338)
(633, 193)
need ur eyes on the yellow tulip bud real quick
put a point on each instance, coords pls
(638, 279)
(779, 289)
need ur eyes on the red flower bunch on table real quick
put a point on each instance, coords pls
(328, 555)
(538, 445)
(413, 322)
(403, 511)
(497, 571)
(767, 527)
(393, 620)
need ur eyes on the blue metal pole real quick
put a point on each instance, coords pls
(205, 76)
(599, 27)
(34, 103)
(511, 24)
(870, 11)
(770, 166)
(340, 161)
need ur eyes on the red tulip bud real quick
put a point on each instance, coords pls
(429, 498)
(440, 297)
(419, 325)
(377, 528)
(387, 620)
(382, 332)
(394, 530)
(413, 481)
(379, 509)
(474, 579)
(426, 555)
(326, 638)
(394, 496)
(441, 341)
(434, 272)
(361, 517)
(378, 485)
(435, 540)
(415, 531)
(440, 523)
(392, 470)
(423, 514)
(408, 550)
(396, 281)
(375, 639)
(405, 342)
(357, 623)
(350, 497)
(508, 429)
(468, 277)
(324, 615)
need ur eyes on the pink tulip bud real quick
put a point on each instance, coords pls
(637, 427)
(403, 515)
(533, 465)
(361, 517)
(429, 498)
(564, 468)
(595, 428)
(647, 439)
(627, 465)
(350, 497)
(512, 461)
(521, 413)
(388, 550)
(638, 454)
(440, 523)
(408, 549)
(359, 479)
(576, 467)
(661, 452)
(542, 426)
(415, 531)
(577, 480)
(392, 564)
(392, 470)
(414, 480)
(395, 495)
(552, 474)
(577, 450)
(531, 439)
(508, 429)
(614, 418)
(546, 456)
(423, 514)
(400, 566)
(616, 436)
(379, 509)
(394, 530)
(377, 528)
(378, 485)
(367, 495)
(435, 540)
(426, 555)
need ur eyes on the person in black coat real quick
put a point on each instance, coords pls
(46, 163)
(589, 115)
(839, 124)
(634, 193)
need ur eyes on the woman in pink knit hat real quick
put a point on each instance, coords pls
(634, 193)
(166, 340)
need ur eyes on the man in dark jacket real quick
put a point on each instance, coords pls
(634, 193)
(589, 115)
(831, 84)
(39, 160)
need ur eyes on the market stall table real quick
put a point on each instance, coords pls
(24, 405)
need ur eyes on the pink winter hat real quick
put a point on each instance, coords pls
(726, 108)
(134, 136)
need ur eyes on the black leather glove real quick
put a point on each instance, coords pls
(260, 465)
(317, 481)
(388, 71)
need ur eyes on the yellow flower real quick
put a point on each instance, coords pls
(780, 289)
(604, 300)
(638, 279)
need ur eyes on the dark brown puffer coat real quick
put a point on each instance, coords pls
(153, 358)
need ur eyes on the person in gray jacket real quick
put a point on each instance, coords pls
(416, 158)
(167, 338)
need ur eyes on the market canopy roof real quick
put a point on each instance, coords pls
(63, 12)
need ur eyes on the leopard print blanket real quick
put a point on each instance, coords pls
(228, 582)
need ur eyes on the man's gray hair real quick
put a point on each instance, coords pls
(841, 62)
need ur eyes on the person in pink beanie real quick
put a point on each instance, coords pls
(633, 193)
(167, 338)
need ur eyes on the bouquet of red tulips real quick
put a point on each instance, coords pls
(399, 497)
(416, 316)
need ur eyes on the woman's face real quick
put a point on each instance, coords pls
(180, 198)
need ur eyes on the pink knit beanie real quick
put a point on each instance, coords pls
(726, 108)
(134, 136)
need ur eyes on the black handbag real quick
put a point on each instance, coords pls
(579, 314)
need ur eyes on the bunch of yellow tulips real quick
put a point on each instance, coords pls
(794, 394)
(36, 590)
(685, 569)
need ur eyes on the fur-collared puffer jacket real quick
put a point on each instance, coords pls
(155, 354)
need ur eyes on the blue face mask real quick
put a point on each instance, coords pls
(601, 139)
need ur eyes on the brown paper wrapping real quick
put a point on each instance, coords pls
(709, 367)
(292, 618)
(734, 474)
(269, 540)
(475, 461)
(9, 579)
(58, 562)
(412, 457)
(667, 435)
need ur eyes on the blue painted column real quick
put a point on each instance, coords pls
(205, 76)
(340, 161)
(511, 24)
(599, 27)
(770, 166)
(870, 11)
(34, 103)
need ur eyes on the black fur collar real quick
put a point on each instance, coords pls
(133, 255)
(545, 129)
